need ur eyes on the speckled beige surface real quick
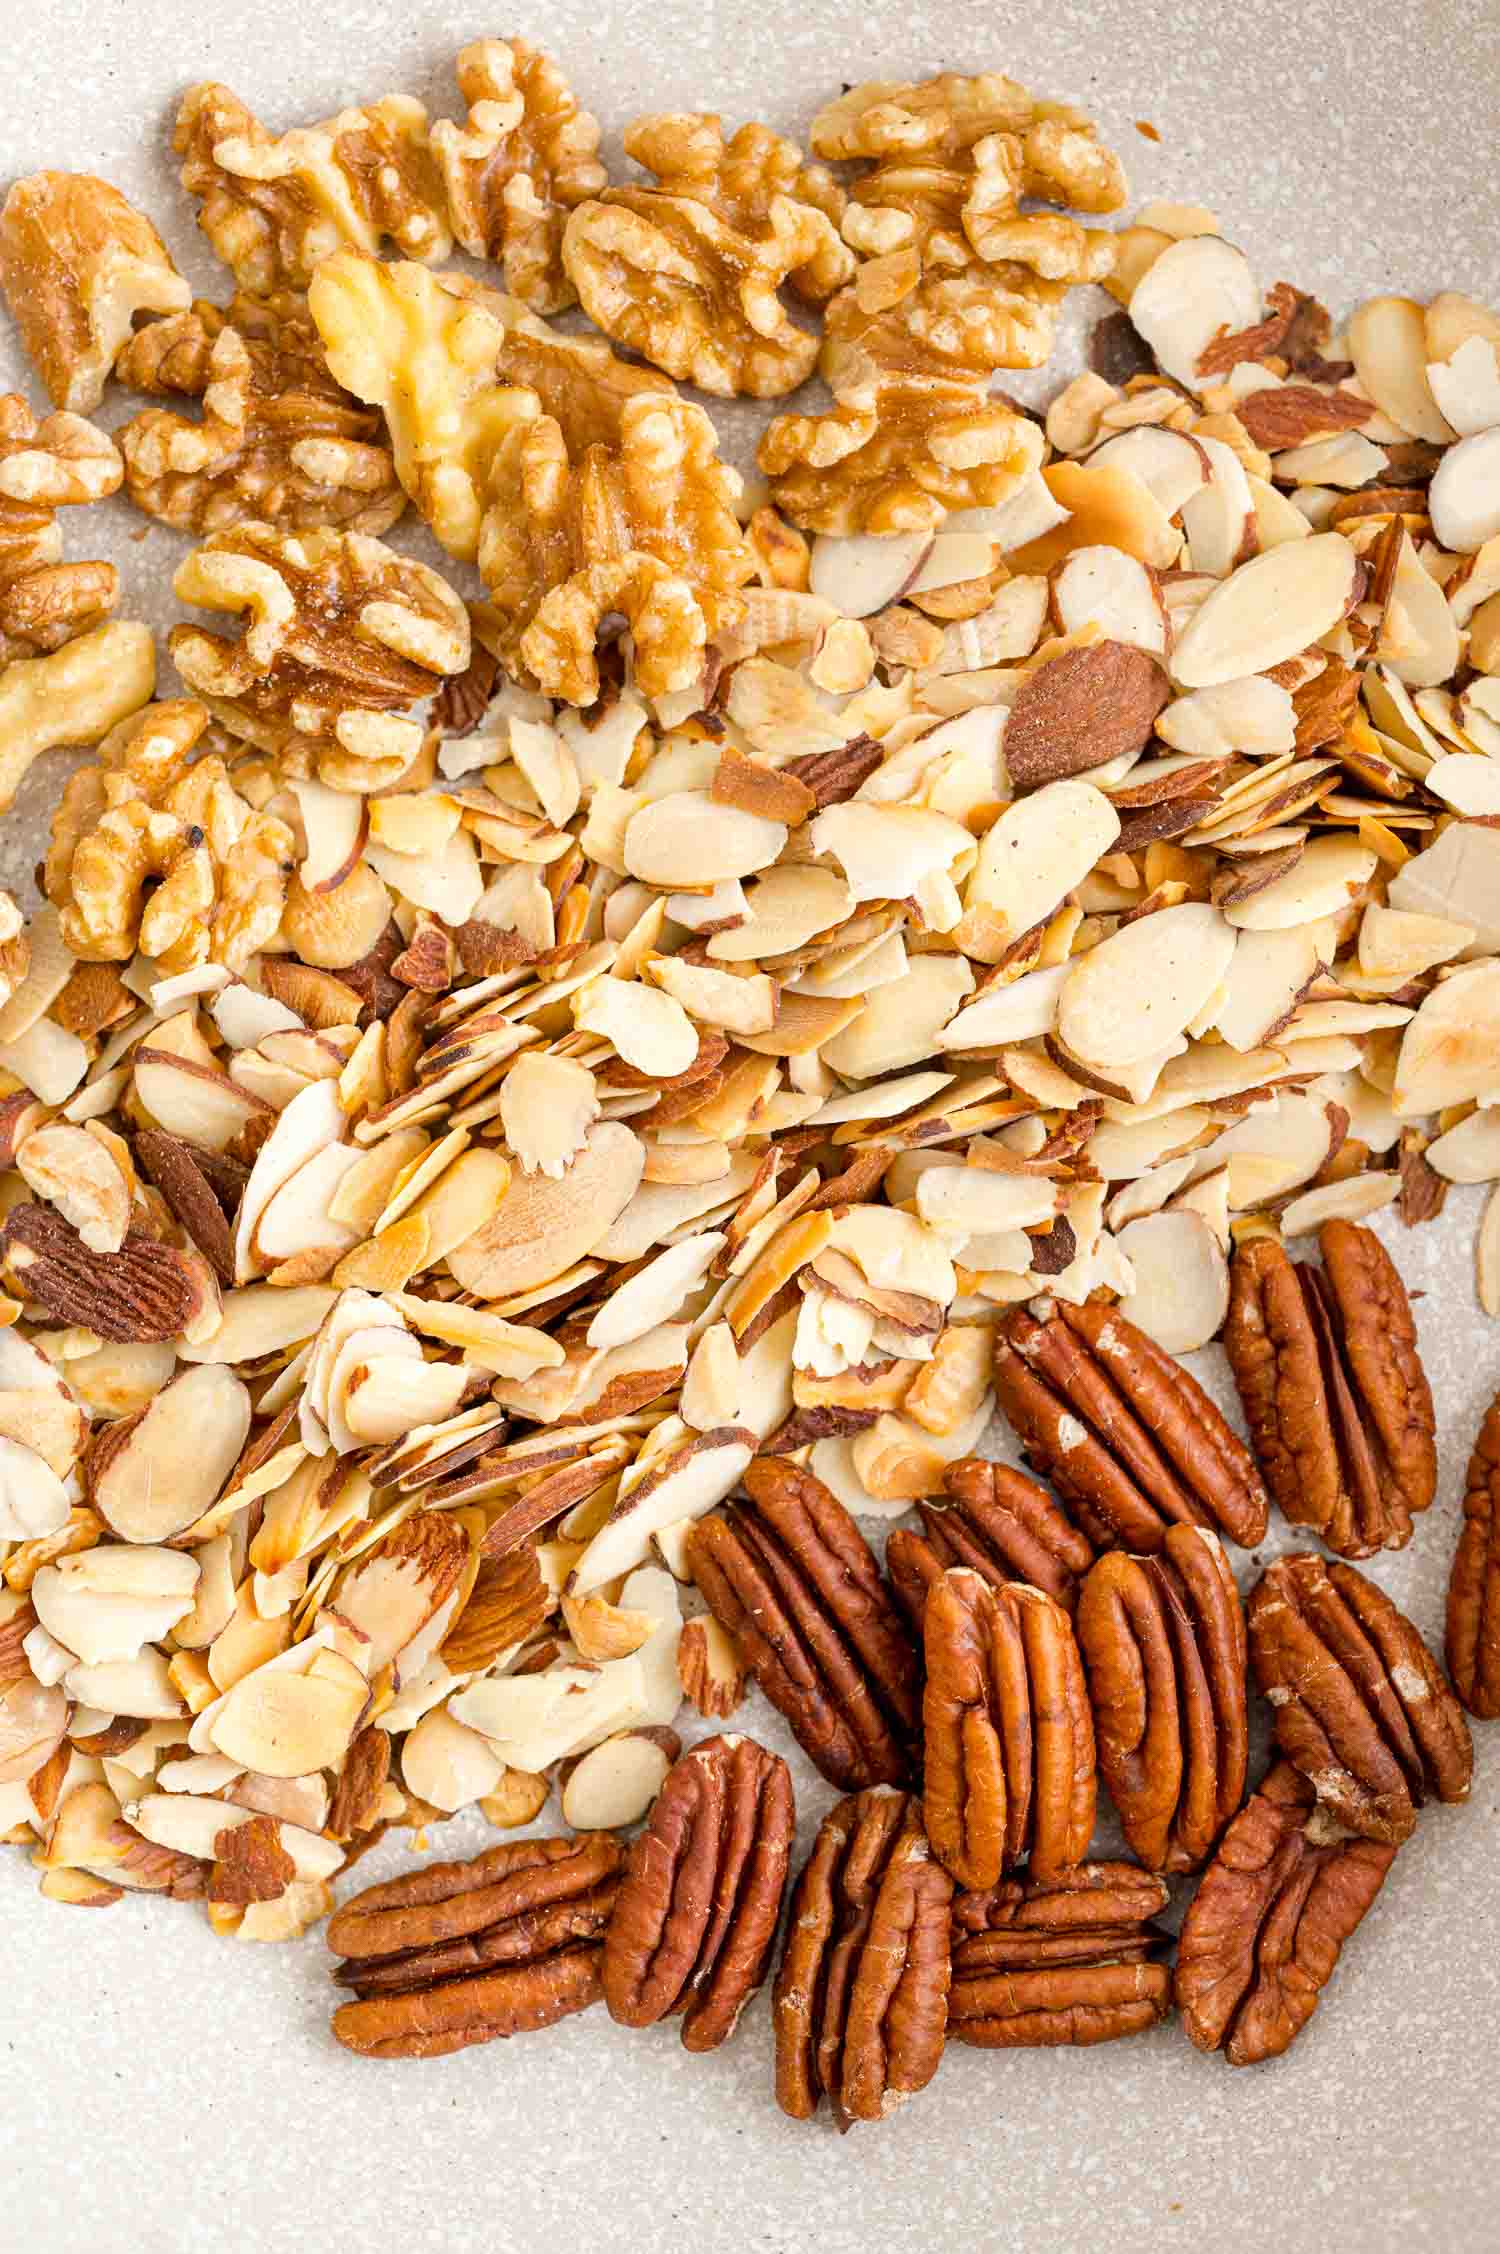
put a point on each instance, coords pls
(160, 2089)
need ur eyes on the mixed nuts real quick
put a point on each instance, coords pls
(543, 1092)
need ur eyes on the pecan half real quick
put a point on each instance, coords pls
(1338, 1404)
(1275, 1907)
(1473, 1643)
(1121, 1430)
(695, 1918)
(1071, 1960)
(791, 1577)
(1163, 1640)
(1009, 1743)
(1361, 1706)
(462, 1953)
(1000, 1523)
(861, 1997)
(144, 1291)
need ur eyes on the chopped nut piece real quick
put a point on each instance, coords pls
(279, 441)
(687, 272)
(274, 208)
(152, 849)
(77, 264)
(525, 157)
(45, 466)
(342, 634)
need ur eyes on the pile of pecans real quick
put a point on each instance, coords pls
(540, 1092)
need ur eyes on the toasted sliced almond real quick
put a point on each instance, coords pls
(866, 572)
(1198, 290)
(683, 1482)
(615, 1783)
(1180, 1294)
(1102, 588)
(108, 1603)
(646, 1027)
(1139, 989)
(547, 1222)
(687, 839)
(1269, 609)
(1464, 496)
(1450, 1052)
(33, 1500)
(155, 1474)
(1351, 1200)
(1388, 344)
(1327, 877)
(656, 1293)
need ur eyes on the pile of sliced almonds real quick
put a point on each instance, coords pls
(1032, 905)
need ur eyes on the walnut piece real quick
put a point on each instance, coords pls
(342, 634)
(71, 696)
(77, 264)
(153, 850)
(45, 466)
(425, 355)
(524, 158)
(912, 433)
(279, 441)
(273, 208)
(645, 529)
(688, 272)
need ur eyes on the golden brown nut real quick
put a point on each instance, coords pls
(1264, 1932)
(1473, 1641)
(524, 158)
(912, 433)
(279, 441)
(341, 636)
(425, 354)
(272, 208)
(1163, 1639)
(696, 1915)
(645, 529)
(77, 264)
(1337, 1401)
(1072, 1960)
(71, 696)
(145, 815)
(45, 466)
(1360, 1705)
(1000, 1523)
(1008, 1740)
(688, 272)
(461, 1953)
(861, 1999)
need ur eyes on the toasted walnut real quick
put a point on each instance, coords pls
(645, 529)
(153, 851)
(525, 157)
(279, 440)
(912, 433)
(272, 208)
(688, 272)
(77, 264)
(882, 117)
(46, 466)
(425, 355)
(73, 695)
(342, 634)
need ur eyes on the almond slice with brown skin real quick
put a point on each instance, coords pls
(1197, 290)
(545, 1223)
(152, 1475)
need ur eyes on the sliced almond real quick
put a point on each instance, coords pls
(286, 1724)
(1269, 609)
(683, 1482)
(865, 572)
(656, 1293)
(1464, 496)
(1198, 290)
(33, 1500)
(1327, 877)
(108, 1603)
(1387, 341)
(1450, 1052)
(646, 1027)
(687, 839)
(1102, 588)
(154, 1474)
(1140, 988)
(547, 1222)
(615, 1783)
(1180, 1294)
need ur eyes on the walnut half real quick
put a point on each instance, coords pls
(341, 636)
(77, 264)
(688, 272)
